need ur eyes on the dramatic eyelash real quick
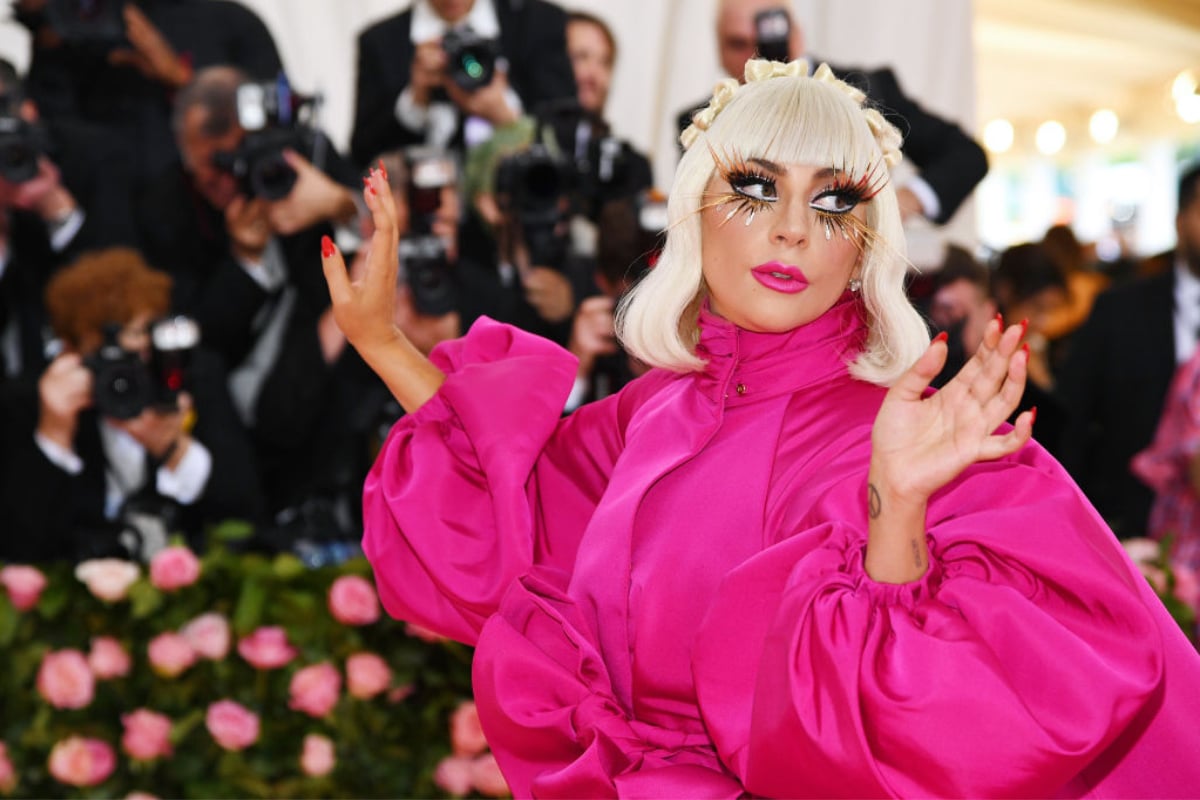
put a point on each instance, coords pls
(733, 168)
(857, 190)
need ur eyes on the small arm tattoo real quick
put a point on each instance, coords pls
(918, 562)
(874, 501)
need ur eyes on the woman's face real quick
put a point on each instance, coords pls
(783, 245)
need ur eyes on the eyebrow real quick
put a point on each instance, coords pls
(776, 169)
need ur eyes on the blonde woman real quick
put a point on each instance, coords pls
(775, 564)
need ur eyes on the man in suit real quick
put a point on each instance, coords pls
(1115, 379)
(951, 164)
(123, 72)
(404, 94)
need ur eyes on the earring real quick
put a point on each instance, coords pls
(855, 285)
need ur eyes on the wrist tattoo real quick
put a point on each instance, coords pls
(874, 501)
(916, 554)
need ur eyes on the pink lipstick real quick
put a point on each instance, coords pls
(780, 277)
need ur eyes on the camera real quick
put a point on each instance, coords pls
(125, 384)
(21, 143)
(470, 58)
(94, 24)
(773, 28)
(535, 187)
(275, 118)
(424, 256)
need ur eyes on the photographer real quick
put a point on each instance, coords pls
(238, 221)
(118, 64)
(130, 435)
(505, 57)
(321, 413)
(64, 187)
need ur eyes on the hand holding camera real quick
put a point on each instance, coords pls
(593, 334)
(314, 198)
(151, 54)
(249, 227)
(428, 71)
(162, 431)
(64, 390)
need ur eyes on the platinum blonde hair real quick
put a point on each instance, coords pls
(782, 115)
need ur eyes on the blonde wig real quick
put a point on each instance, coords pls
(782, 115)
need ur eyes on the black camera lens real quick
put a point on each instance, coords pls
(122, 386)
(470, 58)
(271, 177)
(19, 150)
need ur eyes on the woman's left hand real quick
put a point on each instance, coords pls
(919, 443)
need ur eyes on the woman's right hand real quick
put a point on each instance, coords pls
(364, 303)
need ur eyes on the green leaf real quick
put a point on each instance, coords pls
(144, 599)
(10, 619)
(288, 566)
(248, 612)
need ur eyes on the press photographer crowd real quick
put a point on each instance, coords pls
(168, 355)
(169, 359)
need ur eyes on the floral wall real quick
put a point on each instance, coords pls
(227, 675)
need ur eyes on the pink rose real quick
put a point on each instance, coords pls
(140, 796)
(170, 654)
(1187, 587)
(174, 568)
(232, 725)
(315, 690)
(24, 585)
(147, 734)
(318, 758)
(487, 778)
(424, 634)
(367, 675)
(208, 634)
(352, 601)
(8, 775)
(267, 648)
(1141, 550)
(82, 762)
(466, 734)
(108, 578)
(453, 775)
(65, 680)
(108, 659)
(400, 693)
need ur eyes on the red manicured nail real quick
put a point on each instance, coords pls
(1024, 326)
(1032, 415)
(1000, 320)
(366, 180)
(1025, 347)
(326, 246)
(383, 169)
(941, 337)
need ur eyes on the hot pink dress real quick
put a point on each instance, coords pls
(667, 595)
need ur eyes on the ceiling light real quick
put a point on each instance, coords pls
(1051, 136)
(1103, 126)
(998, 135)
(1184, 85)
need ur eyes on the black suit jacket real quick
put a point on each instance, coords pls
(1112, 387)
(50, 514)
(532, 39)
(950, 161)
(76, 83)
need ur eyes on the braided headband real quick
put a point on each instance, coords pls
(885, 133)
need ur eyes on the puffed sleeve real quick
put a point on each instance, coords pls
(484, 481)
(1021, 655)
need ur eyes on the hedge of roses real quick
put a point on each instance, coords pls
(227, 675)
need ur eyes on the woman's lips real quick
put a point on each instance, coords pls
(780, 277)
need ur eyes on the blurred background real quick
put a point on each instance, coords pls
(1086, 106)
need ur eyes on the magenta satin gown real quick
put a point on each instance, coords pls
(667, 595)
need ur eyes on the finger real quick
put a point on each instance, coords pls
(994, 367)
(334, 267)
(913, 383)
(1008, 443)
(1001, 406)
(382, 263)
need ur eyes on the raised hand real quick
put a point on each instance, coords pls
(64, 389)
(364, 304)
(920, 443)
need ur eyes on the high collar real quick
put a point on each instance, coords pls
(745, 366)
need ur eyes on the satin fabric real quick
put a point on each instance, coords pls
(667, 595)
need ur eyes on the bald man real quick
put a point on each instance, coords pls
(951, 164)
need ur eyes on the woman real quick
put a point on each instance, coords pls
(756, 569)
